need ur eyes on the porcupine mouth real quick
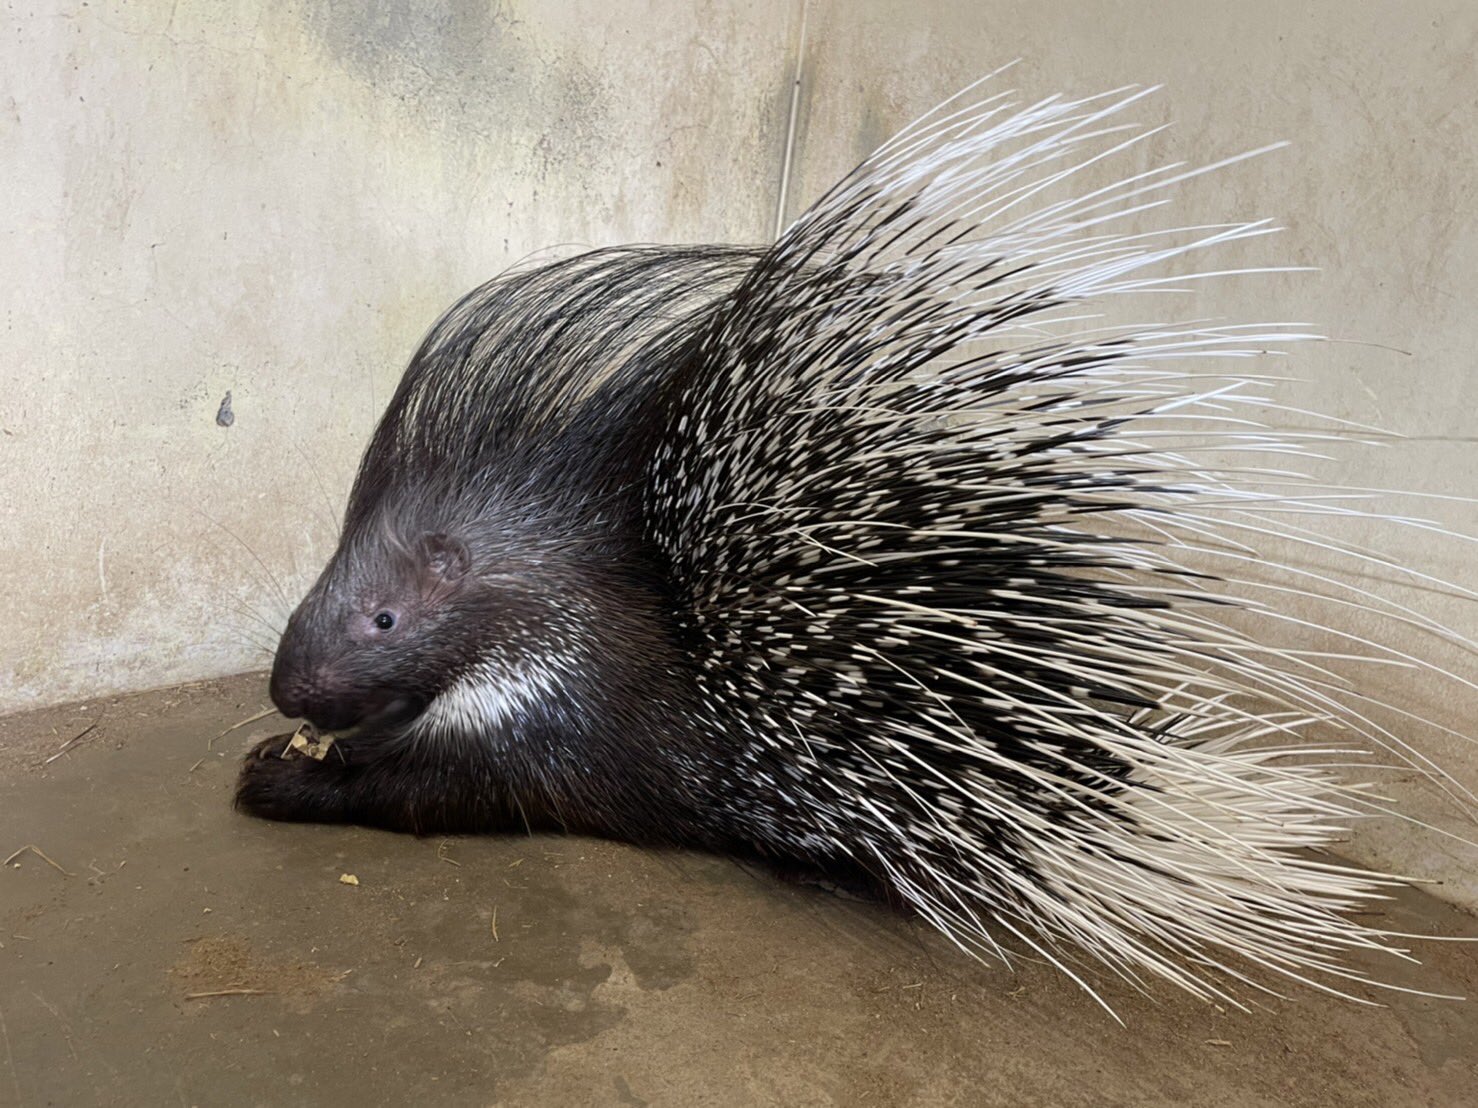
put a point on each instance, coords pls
(378, 714)
(395, 712)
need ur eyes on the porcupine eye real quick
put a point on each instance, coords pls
(384, 620)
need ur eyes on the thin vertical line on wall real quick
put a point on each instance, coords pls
(795, 104)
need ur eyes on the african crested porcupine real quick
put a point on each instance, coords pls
(870, 552)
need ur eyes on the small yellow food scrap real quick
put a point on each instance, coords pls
(307, 740)
(348, 879)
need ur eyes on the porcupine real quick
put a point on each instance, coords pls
(867, 552)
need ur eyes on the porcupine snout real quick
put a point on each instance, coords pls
(330, 697)
(306, 688)
(314, 682)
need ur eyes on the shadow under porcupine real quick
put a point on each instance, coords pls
(873, 551)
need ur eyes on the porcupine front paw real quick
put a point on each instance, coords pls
(361, 779)
(276, 783)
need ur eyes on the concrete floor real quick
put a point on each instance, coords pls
(189, 955)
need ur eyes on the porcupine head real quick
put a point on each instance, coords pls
(388, 620)
(456, 538)
(430, 603)
(429, 592)
(441, 645)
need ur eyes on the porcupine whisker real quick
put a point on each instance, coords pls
(243, 609)
(242, 604)
(270, 578)
(335, 525)
(249, 637)
(252, 646)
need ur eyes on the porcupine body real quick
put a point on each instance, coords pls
(870, 551)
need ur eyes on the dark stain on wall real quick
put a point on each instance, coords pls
(472, 67)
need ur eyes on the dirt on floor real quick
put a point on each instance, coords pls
(158, 948)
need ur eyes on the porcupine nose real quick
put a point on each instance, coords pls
(312, 696)
(289, 694)
(302, 689)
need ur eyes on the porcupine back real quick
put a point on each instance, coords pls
(968, 600)
(534, 384)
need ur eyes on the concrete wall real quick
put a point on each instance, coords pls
(273, 200)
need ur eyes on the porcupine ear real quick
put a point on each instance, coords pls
(444, 560)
